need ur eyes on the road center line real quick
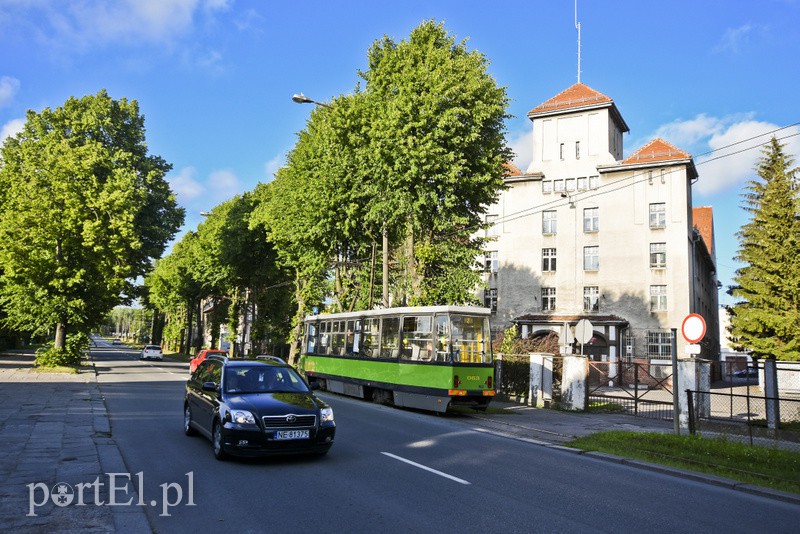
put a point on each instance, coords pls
(426, 468)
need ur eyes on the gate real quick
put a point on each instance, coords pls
(641, 388)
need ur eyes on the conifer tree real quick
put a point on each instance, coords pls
(766, 320)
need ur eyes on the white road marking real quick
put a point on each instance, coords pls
(426, 468)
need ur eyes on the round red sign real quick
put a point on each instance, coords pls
(693, 328)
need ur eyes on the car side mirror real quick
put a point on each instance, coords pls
(314, 385)
(211, 387)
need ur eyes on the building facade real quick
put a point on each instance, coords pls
(585, 233)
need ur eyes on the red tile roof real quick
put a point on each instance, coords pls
(703, 220)
(511, 169)
(656, 150)
(577, 96)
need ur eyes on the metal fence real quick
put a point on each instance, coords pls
(757, 420)
(639, 387)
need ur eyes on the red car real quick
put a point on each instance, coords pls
(202, 355)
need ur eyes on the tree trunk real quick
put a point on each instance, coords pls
(61, 336)
(297, 330)
(189, 314)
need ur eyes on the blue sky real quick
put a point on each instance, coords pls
(214, 78)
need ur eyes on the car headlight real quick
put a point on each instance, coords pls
(242, 417)
(326, 415)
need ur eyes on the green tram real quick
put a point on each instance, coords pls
(428, 357)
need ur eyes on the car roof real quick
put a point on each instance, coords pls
(241, 362)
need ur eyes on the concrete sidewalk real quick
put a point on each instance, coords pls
(55, 429)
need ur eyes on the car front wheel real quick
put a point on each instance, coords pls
(217, 442)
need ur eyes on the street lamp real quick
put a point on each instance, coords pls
(303, 99)
(300, 98)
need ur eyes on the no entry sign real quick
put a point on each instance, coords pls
(693, 328)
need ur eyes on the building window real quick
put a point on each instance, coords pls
(558, 186)
(577, 150)
(490, 299)
(548, 299)
(591, 219)
(594, 182)
(492, 261)
(547, 186)
(658, 255)
(658, 298)
(659, 344)
(549, 222)
(570, 184)
(561, 151)
(548, 259)
(493, 229)
(591, 298)
(658, 215)
(591, 258)
(582, 183)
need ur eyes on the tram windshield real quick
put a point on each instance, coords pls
(471, 339)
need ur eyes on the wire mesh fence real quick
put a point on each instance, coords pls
(757, 420)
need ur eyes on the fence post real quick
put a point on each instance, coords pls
(540, 391)
(498, 374)
(692, 422)
(575, 383)
(771, 393)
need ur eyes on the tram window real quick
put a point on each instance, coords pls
(417, 342)
(390, 337)
(470, 341)
(324, 338)
(369, 342)
(337, 338)
(442, 339)
(349, 337)
(311, 338)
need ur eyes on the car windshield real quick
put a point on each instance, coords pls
(263, 379)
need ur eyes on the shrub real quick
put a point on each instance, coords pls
(70, 355)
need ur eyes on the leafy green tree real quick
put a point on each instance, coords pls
(767, 319)
(418, 154)
(85, 209)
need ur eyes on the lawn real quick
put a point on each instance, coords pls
(762, 466)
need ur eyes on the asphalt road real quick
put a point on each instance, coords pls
(395, 470)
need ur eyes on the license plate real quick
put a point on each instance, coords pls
(291, 434)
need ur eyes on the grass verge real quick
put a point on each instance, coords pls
(57, 369)
(762, 466)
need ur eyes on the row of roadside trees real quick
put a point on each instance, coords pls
(404, 166)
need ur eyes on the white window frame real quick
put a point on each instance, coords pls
(549, 260)
(658, 215)
(591, 258)
(658, 255)
(549, 222)
(658, 298)
(591, 219)
(491, 261)
(591, 298)
(583, 183)
(547, 187)
(548, 299)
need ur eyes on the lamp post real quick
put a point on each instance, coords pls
(300, 98)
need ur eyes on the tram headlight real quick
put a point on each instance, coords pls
(326, 415)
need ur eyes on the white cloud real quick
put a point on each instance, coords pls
(736, 151)
(272, 166)
(521, 143)
(223, 184)
(8, 89)
(12, 127)
(68, 24)
(185, 184)
(734, 39)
